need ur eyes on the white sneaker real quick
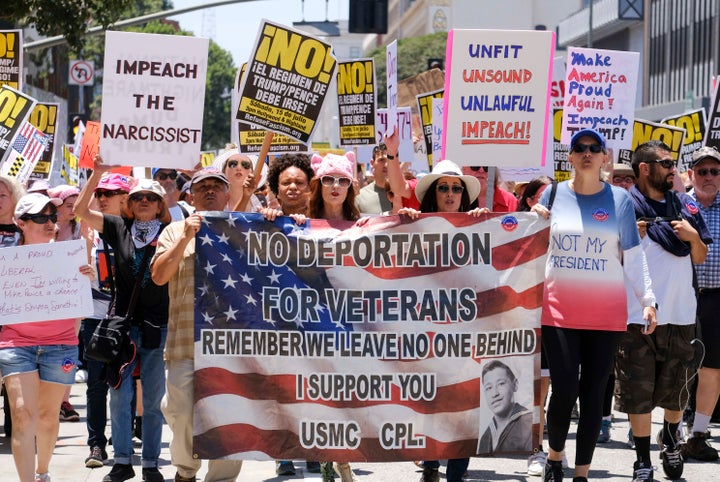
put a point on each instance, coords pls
(536, 463)
(42, 477)
(81, 376)
(344, 471)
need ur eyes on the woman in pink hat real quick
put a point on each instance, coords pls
(134, 240)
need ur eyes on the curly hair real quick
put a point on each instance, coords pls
(301, 161)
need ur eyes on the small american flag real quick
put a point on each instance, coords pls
(30, 142)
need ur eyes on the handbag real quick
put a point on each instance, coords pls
(113, 332)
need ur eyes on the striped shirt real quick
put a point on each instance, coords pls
(708, 273)
(181, 322)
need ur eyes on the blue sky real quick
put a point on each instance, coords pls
(236, 25)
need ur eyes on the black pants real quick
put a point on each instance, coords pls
(580, 362)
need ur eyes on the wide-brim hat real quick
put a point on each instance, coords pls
(444, 169)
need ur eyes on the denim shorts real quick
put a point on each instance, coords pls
(54, 363)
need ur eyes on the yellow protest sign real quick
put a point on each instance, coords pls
(356, 102)
(286, 81)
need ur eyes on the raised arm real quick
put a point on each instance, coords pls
(82, 205)
(398, 184)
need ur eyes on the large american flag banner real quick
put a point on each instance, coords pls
(365, 341)
(27, 148)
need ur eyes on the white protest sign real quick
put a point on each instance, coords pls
(42, 282)
(600, 88)
(392, 87)
(406, 152)
(497, 96)
(437, 126)
(152, 100)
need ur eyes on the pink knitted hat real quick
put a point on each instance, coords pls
(332, 163)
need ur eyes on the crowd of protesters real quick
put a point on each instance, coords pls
(636, 347)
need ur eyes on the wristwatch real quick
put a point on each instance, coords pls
(390, 156)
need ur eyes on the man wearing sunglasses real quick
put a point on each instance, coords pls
(704, 176)
(653, 369)
(168, 180)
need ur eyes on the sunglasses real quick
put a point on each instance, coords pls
(40, 218)
(580, 148)
(666, 163)
(477, 168)
(628, 179)
(153, 198)
(329, 181)
(704, 172)
(245, 164)
(444, 188)
(164, 175)
(102, 192)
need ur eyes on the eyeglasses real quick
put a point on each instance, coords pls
(139, 196)
(103, 192)
(329, 181)
(477, 168)
(40, 218)
(444, 188)
(164, 175)
(704, 172)
(244, 164)
(666, 163)
(627, 179)
(580, 148)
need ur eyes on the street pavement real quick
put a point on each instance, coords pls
(612, 462)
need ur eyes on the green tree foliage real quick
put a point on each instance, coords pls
(70, 18)
(413, 54)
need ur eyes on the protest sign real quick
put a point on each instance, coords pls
(286, 81)
(391, 78)
(153, 99)
(207, 158)
(600, 87)
(42, 282)
(44, 117)
(24, 153)
(425, 109)
(377, 333)
(644, 131)
(90, 145)
(694, 124)
(356, 102)
(69, 167)
(15, 108)
(11, 58)
(497, 89)
(250, 138)
(437, 124)
(251, 141)
(563, 169)
(557, 91)
(712, 133)
(406, 152)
